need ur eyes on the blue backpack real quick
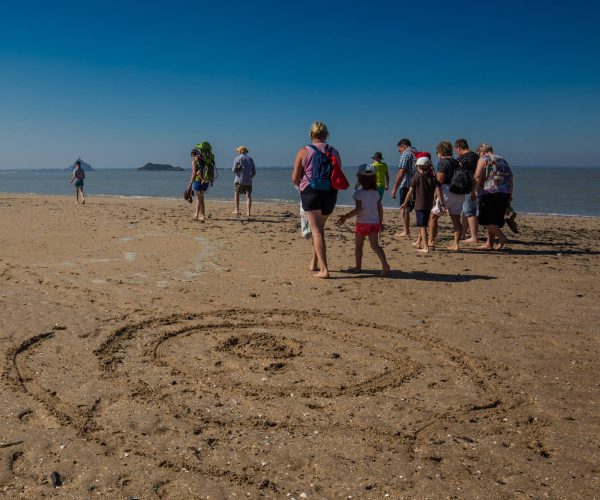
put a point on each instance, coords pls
(321, 168)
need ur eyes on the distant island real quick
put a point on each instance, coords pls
(84, 165)
(161, 167)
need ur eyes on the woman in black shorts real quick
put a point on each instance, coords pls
(494, 178)
(318, 204)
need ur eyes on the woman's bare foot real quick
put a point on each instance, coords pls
(501, 243)
(485, 247)
(385, 271)
(453, 248)
(423, 250)
(322, 275)
(471, 240)
(401, 235)
(236, 212)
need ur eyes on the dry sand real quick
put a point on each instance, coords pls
(148, 355)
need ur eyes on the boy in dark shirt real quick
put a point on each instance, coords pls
(424, 186)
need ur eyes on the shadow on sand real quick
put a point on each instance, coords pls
(414, 275)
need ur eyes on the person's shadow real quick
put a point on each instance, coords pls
(414, 275)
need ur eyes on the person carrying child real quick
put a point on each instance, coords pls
(369, 217)
(423, 185)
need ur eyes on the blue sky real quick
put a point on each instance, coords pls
(124, 83)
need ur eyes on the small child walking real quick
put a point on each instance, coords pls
(423, 186)
(369, 217)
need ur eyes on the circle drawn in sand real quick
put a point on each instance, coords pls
(238, 397)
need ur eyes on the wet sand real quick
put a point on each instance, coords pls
(148, 355)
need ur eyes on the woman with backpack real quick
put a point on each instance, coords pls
(203, 175)
(494, 178)
(312, 177)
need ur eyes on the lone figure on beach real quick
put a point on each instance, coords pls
(78, 176)
(318, 200)
(244, 170)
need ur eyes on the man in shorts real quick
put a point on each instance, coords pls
(244, 170)
(406, 170)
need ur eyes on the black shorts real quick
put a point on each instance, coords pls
(318, 200)
(411, 203)
(492, 208)
(422, 217)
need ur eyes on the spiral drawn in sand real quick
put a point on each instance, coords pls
(238, 398)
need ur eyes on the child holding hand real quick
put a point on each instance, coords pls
(369, 217)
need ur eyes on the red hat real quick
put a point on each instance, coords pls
(423, 154)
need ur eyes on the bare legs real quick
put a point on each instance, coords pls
(316, 221)
(494, 232)
(433, 229)
(248, 204)
(457, 229)
(422, 242)
(405, 218)
(200, 212)
(470, 224)
(236, 200)
(314, 262)
(78, 190)
(376, 247)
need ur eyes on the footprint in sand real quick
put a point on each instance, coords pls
(130, 256)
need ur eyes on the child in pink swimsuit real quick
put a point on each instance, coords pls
(369, 217)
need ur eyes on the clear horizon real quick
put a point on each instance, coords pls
(120, 85)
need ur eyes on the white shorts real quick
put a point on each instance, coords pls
(452, 201)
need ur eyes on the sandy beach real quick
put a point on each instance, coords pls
(148, 355)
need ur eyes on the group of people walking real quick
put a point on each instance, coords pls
(474, 187)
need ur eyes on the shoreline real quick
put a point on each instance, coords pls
(265, 203)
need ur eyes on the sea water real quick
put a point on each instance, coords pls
(562, 191)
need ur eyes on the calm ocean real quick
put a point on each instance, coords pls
(564, 191)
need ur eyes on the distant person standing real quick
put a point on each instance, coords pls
(78, 176)
(382, 175)
(468, 159)
(311, 165)
(244, 169)
(494, 179)
(406, 170)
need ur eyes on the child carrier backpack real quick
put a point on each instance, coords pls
(321, 168)
(207, 162)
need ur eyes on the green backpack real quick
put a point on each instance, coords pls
(209, 172)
